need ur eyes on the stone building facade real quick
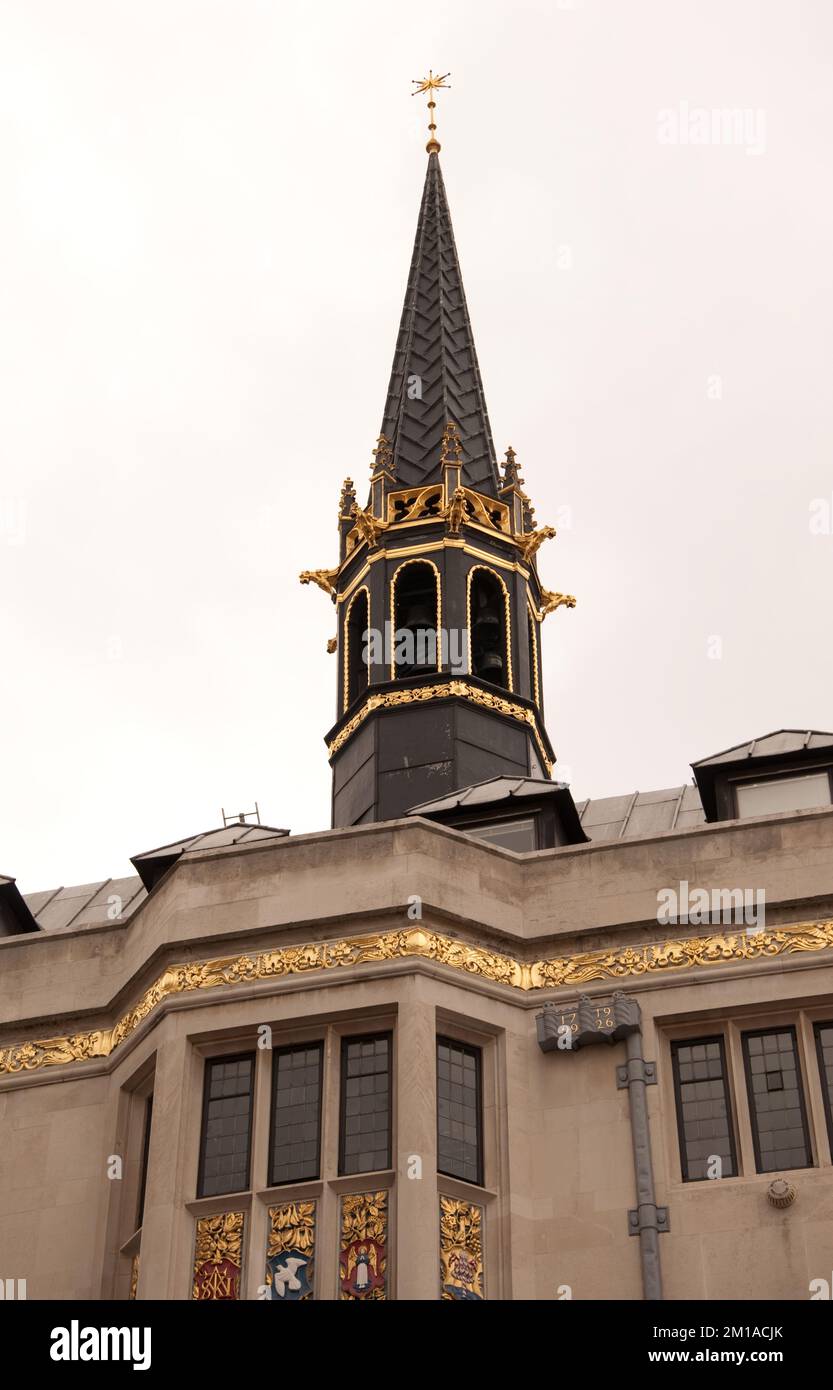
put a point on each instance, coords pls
(475, 1041)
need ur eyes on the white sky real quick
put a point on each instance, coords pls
(206, 216)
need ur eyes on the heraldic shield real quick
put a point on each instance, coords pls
(290, 1276)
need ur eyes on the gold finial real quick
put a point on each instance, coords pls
(430, 84)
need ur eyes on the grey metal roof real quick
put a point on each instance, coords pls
(156, 862)
(493, 789)
(436, 344)
(116, 899)
(641, 813)
(771, 745)
(87, 905)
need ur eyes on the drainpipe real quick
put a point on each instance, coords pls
(565, 1028)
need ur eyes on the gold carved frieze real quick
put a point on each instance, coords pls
(462, 690)
(584, 967)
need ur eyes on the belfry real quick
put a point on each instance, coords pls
(440, 568)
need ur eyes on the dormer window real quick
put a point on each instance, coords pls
(784, 772)
(800, 792)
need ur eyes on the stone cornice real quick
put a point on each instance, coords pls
(583, 968)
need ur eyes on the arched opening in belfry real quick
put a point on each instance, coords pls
(415, 609)
(487, 615)
(357, 672)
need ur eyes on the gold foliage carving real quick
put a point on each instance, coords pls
(218, 1257)
(364, 1224)
(290, 1251)
(219, 1238)
(291, 1227)
(461, 1248)
(391, 698)
(663, 957)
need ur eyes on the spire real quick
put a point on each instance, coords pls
(435, 378)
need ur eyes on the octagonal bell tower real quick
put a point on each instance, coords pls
(438, 599)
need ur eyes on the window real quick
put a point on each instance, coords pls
(364, 1141)
(357, 668)
(143, 1171)
(824, 1049)
(296, 1114)
(459, 1111)
(776, 1101)
(518, 835)
(226, 1125)
(798, 793)
(415, 607)
(703, 1118)
(489, 650)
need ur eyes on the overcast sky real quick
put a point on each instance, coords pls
(207, 209)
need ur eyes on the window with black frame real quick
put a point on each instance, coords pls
(776, 1100)
(365, 1111)
(225, 1140)
(824, 1052)
(459, 1111)
(704, 1118)
(295, 1145)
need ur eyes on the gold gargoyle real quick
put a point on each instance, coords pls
(552, 601)
(531, 541)
(455, 512)
(368, 526)
(323, 578)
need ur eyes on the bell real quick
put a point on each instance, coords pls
(419, 615)
(490, 665)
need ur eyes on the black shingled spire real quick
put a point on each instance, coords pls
(436, 345)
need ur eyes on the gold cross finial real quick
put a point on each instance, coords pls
(430, 84)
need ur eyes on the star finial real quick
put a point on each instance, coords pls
(430, 84)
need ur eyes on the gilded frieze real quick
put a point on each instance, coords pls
(585, 967)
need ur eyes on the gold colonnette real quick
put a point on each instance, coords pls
(585, 967)
(533, 633)
(390, 699)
